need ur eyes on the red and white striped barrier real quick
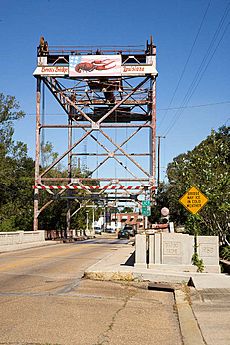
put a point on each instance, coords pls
(92, 187)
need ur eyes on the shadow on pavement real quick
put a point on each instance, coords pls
(130, 261)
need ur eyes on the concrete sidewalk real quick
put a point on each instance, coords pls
(203, 308)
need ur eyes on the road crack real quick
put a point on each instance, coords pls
(104, 338)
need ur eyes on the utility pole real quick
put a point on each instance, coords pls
(158, 158)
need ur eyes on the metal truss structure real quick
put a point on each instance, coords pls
(99, 91)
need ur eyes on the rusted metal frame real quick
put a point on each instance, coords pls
(140, 102)
(95, 179)
(103, 125)
(120, 162)
(64, 107)
(54, 91)
(142, 92)
(51, 201)
(85, 203)
(110, 139)
(87, 94)
(107, 114)
(124, 142)
(94, 138)
(69, 148)
(102, 145)
(82, 185)
(111, 154)
(123, 100)
(105, 154)
(77, 108)
(97, 97)
(139, 106)
(37, 211)
(130, 192)
(102, 102)
(82, 206)
(68, 223)
(37, 153)
(82, 96)
(81, 92)
(133, 50)
(64, 97)
(153, 135)
(135, 100)
(123, 151)
(45, 206)
(84, 136)
(65, 153)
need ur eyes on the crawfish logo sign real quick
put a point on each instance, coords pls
(94, 65)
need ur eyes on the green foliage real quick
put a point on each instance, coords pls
(192, 224)
(161, 200)
(193, 227)
(207, 167)
(196, 261)
(16, 198)
(126, 209)
(9, 112)
(225, 253)
(16, 172)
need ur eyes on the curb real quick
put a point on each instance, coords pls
(190, 331)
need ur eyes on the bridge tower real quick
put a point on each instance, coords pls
(107, 96)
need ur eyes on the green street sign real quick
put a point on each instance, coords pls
(146, 211)
(145, 203)
(146, 208)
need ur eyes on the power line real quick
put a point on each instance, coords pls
(196, 106)
(198, 77)
(186, 63)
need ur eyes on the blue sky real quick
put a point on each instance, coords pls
(174, 25)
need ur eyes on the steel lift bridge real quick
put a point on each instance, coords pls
(107, 94)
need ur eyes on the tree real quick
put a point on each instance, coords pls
(9, 112)
(207, 167)
(126, 209)
(16, 172)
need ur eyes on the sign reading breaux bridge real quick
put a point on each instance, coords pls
(193, 200)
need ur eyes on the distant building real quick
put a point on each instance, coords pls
(119, 220)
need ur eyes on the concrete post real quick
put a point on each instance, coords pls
(140, 251)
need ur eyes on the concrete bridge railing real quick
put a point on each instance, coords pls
(20, 237)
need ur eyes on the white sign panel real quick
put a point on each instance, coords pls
(52, 70)
(138, 70)
(94, 65)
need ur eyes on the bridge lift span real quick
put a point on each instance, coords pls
(103, 91)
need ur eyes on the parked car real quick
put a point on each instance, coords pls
(123, 234)
(97, 230)
(130, 229)
(110, 230)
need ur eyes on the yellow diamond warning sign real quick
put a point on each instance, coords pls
(193, 200)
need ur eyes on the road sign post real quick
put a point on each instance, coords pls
(146, 211)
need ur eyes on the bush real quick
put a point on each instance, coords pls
(225, 253)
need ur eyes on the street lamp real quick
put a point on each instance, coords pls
(87, 221)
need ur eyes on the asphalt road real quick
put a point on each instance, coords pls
(44, 300)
